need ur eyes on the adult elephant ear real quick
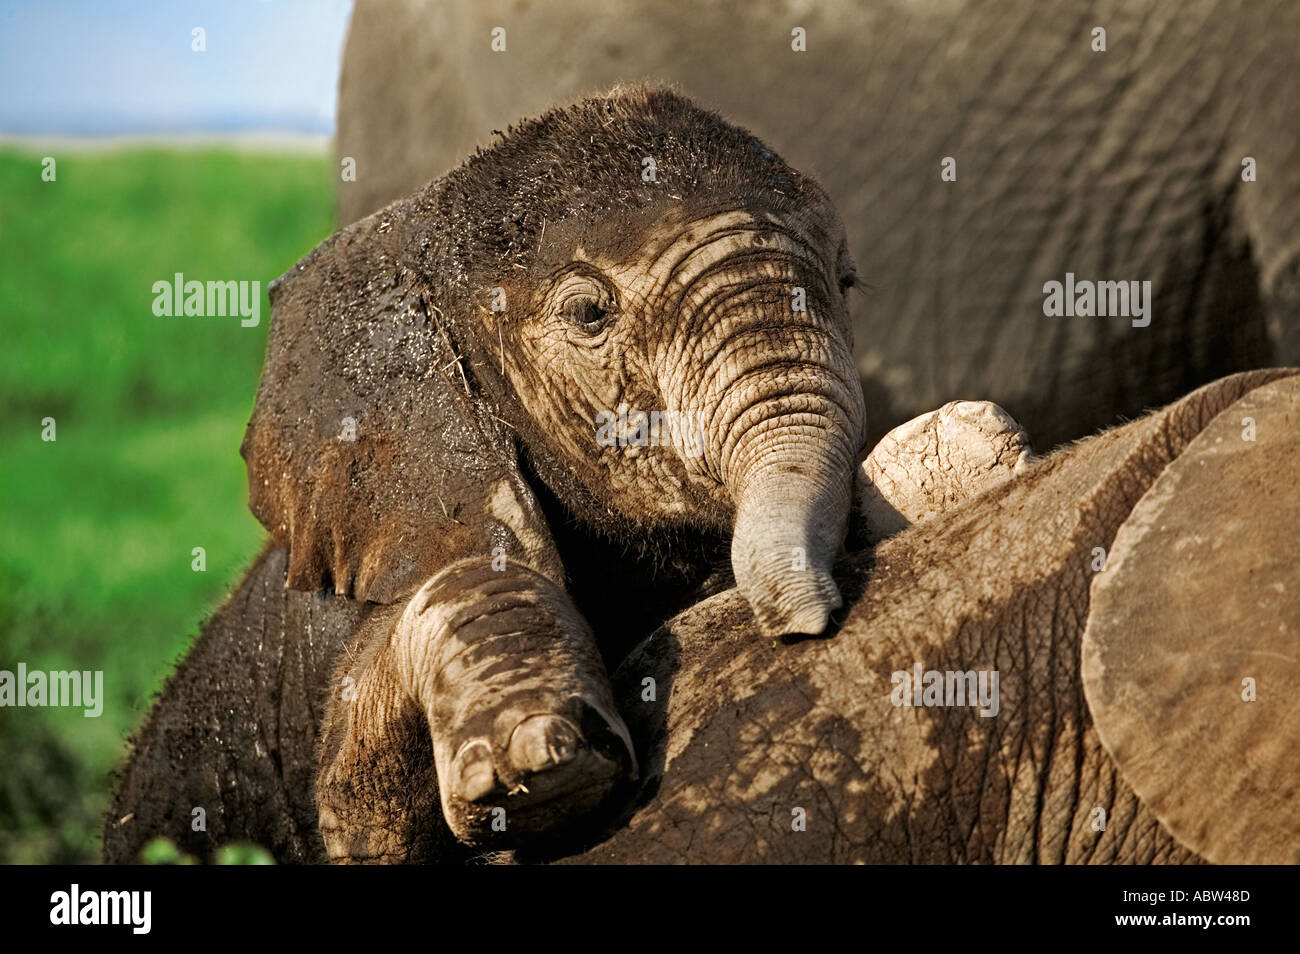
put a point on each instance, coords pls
(1191, 655)
(369, 459)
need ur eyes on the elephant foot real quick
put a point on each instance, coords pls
(485, 698)
(553, 767)
(527, 741)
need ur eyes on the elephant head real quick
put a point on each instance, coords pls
(649, 300)
(688, 364)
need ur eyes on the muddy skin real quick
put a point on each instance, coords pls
(742, 729)
(428, 436)
(1120, 693)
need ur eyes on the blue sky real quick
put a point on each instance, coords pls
(80, 67)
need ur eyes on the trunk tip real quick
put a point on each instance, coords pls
(808, 622)
(809, 617)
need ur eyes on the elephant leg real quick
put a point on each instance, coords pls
(934, 462)
(492, 680)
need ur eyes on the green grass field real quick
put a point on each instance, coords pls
(99, 525)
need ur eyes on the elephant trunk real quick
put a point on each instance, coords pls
(785, 427)
(791, 478)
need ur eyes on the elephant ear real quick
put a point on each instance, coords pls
(1191, 655)
(370, 459)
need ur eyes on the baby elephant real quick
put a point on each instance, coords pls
(526, 409)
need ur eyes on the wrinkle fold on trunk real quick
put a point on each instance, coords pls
(792, 504)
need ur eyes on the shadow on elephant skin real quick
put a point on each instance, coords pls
(643, 686)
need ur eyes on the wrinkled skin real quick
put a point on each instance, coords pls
(1116, 165)
(468, 341)
(935, 461)
(743, 730)
(752, 730)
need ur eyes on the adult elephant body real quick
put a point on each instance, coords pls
(1117, 165)
(1122, 731)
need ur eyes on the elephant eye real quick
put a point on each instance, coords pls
(586, 314)
(583, 297)
(848, 281)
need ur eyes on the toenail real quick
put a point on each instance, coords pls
(543, 741)
(472, 770)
